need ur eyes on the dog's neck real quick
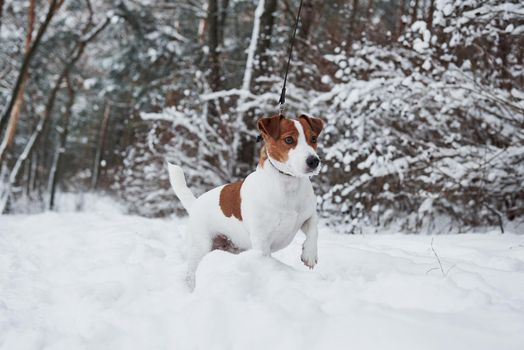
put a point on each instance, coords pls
(266, 166)
(270, 162)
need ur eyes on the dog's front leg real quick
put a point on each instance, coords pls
(309, 248)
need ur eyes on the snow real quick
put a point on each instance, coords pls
(104, 280)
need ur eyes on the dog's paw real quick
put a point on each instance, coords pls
(309, 256)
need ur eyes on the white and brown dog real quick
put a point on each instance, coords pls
(266, 210)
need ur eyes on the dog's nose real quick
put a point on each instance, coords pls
(312, 162)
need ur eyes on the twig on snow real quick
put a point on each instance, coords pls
(441, 268)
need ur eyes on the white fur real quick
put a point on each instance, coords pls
(274, 207)
(178, 182)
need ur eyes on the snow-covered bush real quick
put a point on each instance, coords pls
(423, 130)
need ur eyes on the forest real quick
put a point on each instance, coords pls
(423, 103)
(419, 238)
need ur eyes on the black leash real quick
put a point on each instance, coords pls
(282, 100)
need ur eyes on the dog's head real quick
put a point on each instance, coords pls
(291, 144)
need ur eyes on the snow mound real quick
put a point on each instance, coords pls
(110, 281)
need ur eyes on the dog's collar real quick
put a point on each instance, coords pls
(277, 169)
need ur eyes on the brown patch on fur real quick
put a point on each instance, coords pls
(312, 127)
(270, 126)
(222, 242)
(275, 145)
(230, 200)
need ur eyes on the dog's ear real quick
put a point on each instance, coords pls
(316, 124)
(270, 126)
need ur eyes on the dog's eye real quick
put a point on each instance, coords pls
(313, 139)
(289, 140)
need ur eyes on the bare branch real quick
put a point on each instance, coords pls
(498, 215)
(438, 259)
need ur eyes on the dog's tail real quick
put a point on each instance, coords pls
(178, 182)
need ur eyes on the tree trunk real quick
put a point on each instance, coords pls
(224, 6)
(19, 100)
(34, 171)
(353, 25)
(213, 29)
(1, 13)
(431, 11)
(369, 12)
(53, 7)
(400, 24)
(33, 176)
(414, 12)
(255, 35)
(267, 21)
(242, 149)
(27, 175)
(57, 162)
(310, 11)
(100, 147)
(202, 26)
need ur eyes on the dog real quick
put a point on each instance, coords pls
(267, 209)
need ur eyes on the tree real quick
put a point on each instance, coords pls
(414, 11)
(267, 22)
(353, 23)
(213, 42)
(56, 168)
(89, 33)
(1, 12)
(17, 107)
(54, 5)
(400, 17)
(307, 19)
(100, 146)
(431, 11)
(224, 8)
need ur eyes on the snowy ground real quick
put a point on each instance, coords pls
(109, 281)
